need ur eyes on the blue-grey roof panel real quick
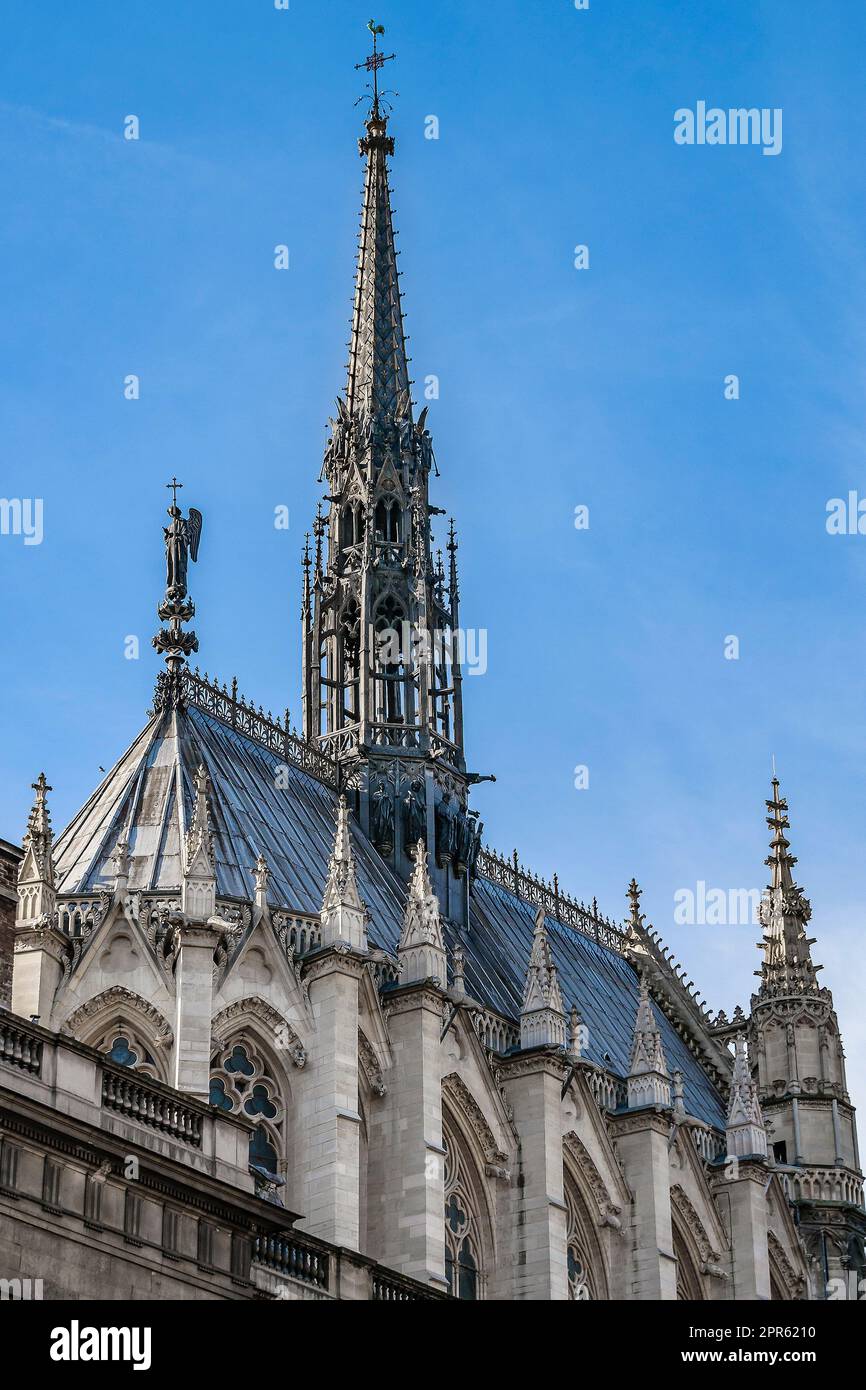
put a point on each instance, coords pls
(260, 805)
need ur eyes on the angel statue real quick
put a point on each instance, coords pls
(182, 537)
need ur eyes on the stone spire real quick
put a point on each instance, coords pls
(542, 1016)
(787, 968)
(746, 1135)
(36, 893)
(378, 378)
(198, 892)
(648, 1079)
(379, 620)
(421, 950)
(343, 915)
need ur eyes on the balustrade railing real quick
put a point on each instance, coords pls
(509, 874)
(297, 934)
(390, 1288)
(610, 1091)
(19, 1048)
(134, 1098)
(226, 705)
(291, 1257)
(495, 1032)
(823, 1185)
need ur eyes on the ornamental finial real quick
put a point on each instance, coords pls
(636, 918)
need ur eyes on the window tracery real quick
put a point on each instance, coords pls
(581, 1285)
(463, 1245)
(126, 1047)
(240, 1085)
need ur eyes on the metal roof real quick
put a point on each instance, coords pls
(262, 805)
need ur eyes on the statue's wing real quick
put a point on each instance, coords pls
(194, 522)
(422, 420)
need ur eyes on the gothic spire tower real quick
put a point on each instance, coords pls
(800, 1074)
(381, 670)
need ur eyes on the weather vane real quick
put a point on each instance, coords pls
(375, 61)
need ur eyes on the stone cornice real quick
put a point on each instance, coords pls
(404, 998)
(200, 933)
(328, 959)
(42, 936)
(749, 1169)
(634, 1121)
(537, 1060)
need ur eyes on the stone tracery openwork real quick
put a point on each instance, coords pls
(241, 1084)
(464, 1262)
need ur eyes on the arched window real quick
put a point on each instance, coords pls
(125, 1047)
(581, 1282)
(350, 634)
(463, 1236)
(240, 1085)
(387, 521)
(391, 680)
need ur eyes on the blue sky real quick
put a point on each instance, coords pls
(559, 387)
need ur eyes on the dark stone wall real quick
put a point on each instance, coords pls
(10, 858)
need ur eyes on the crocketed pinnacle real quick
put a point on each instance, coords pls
(541, 989)
(378, 380)
(787, 967)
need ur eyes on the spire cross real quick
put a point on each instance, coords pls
(174, 485)
(375, 61)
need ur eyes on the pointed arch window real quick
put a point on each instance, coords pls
(463, 1248)
(581, 1282)
(240, 1084)
(393, 705)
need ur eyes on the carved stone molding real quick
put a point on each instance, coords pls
(608, 1210)
(685, 1210)
(120, 999)
(634, 1122)
(405, 998)
(242, 1010)
(794, 1281)
(370, 1066)
(463, 1101)
(552, 1061)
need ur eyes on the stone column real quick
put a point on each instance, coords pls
(407, 1170)
(642, 1144)
(37, 969)
(747, 1191)
(329, 1141)
(193, 974)
(533, 1083)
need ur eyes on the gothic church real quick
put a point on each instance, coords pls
(281, 1027)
